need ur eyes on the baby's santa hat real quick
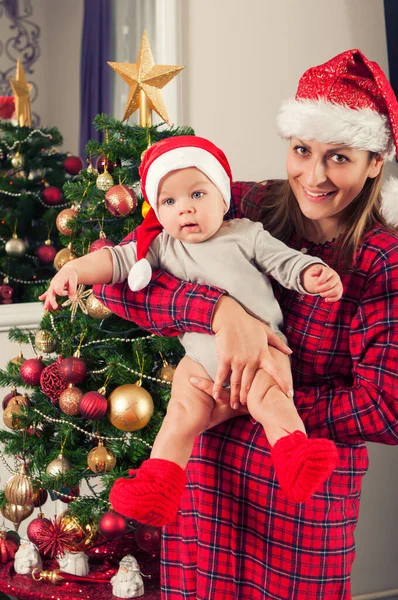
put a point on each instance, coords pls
(169, 155)
(347, 100)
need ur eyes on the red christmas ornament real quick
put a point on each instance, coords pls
(73, 370)
(36, 528)
(148, 538)
(51, 382)
(121, 200)
(7, 107)
(73, 165)
(6, 293)
(46, 253)
(100, 243)
(56, 537)
(31, 370)
(93, 406)
(8, 547)
(112, 525)
(102, 160)
(51, 195)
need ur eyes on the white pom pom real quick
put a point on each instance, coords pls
(140, 275)
(389, 201)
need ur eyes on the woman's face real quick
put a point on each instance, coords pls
(325, 178)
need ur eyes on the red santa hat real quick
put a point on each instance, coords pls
(347, 100)
(169, 155)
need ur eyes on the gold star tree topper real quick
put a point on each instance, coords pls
(146, 81)
(21, 89)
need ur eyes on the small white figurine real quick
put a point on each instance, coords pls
(127, 583)
(27, 558)
(75, 563)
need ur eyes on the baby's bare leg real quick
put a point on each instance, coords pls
(188, 414)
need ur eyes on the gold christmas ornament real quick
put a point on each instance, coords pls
(44, 341)
(166, 373)
(78, 301)
(96, 309)
(84, 535)
(21, 89)
(101, 459)
(58, 466)
(21, 400)
(63, 220)
(18, 360)
(15, 246)
(19, 489)
(69, 400)
(130, 407)
(146, 81)
(16, 513)
(17, 161)
(11, 413)
(104, 181)
(63, 256)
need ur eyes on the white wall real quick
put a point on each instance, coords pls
(242, 59)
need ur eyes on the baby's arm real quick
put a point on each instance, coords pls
(96, 267)
(321, 279)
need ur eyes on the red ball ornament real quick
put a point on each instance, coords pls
(112, 525)
(148, 538)
(36, 528)
(102, 160)
(6, 293)
(31, 371)
(73, 165)
(73, 370)
(51, 195)
(100, 243)
(93, 406)
(51, 382)
(46, 253)
(121, 200)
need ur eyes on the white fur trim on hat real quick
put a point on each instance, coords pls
(182, 158)
(389, 201)
(140, 275)
(332, 123)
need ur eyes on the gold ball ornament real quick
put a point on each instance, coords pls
(101, 459)
(104, 181)
(84, 535)
(17, 161)
(63, 220)
(15, 246)
(130, 407)
(69, 400)
(19, 489)
(58, 466)
(18, 360)
(11, 414)
(17, 513)
(44, 341)
(96, 309)
(166, 373)
(62, 257)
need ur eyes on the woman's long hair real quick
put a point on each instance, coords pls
(281, 215)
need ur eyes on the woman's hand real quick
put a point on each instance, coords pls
(64, 283)
(242, 348)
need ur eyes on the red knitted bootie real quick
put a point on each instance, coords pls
(152, 495)
(302, 464)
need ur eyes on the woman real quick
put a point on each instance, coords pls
(237, 536)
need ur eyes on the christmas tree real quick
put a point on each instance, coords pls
(32, 173)
(98, 397)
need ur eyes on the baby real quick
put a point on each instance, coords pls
(187, 181)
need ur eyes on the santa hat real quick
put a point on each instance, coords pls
(169, 155)
(347, 100)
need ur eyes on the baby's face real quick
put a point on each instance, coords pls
(190, 207)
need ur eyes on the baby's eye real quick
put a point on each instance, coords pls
(168, 201)
(197, 195)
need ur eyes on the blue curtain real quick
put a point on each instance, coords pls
(95, 73)
(391, 18)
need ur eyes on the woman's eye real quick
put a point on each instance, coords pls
(197, 195)
(339, 158)
(301, 150)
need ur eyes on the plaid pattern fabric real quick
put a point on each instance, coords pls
(236, 536)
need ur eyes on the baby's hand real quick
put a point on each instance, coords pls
(322, 280)
(64, 283)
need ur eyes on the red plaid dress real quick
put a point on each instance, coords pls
(237, 537)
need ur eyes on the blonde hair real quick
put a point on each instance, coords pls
(281, 215)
